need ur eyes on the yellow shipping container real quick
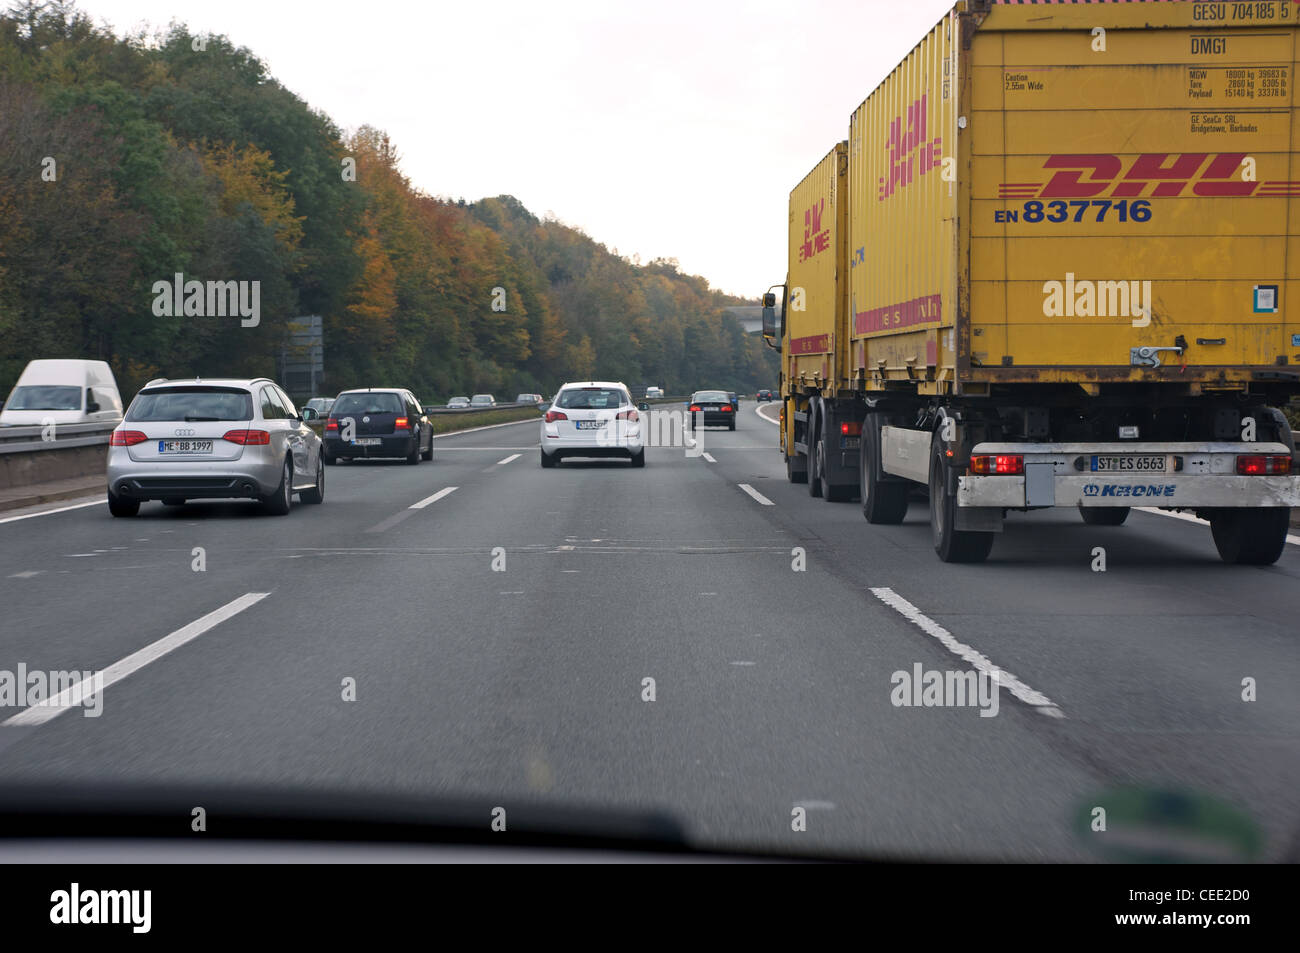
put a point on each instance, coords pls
(1041, 189)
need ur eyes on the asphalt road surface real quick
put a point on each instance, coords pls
(500, 634)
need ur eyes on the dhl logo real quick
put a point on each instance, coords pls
(815, 238)
(1208, 175)
(905, 146)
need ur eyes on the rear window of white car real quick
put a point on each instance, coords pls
(191, 403)
(590, 398)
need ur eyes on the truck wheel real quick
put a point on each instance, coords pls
(1250, 537)
(814, 457)
(1104, 515)
(953, 546)
(883, 503)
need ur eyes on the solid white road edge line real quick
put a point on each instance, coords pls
(42, 712)
(508, 423)
(1291, 538)
(61, 509)
(755, 494)
(758, 409)
(445, 491)
(1012, 684)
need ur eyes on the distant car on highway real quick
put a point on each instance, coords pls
(378, 422)
(763, 395)
(651, 392)
(592, 419)
(528, 399)
(456, 403)
(711, 408)
(213, 439)
(63, 392)
(321, 405)
(483, 400)
(735, 401)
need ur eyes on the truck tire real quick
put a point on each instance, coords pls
(813, 440)
(1104, 515)
(884, 503)
(953, 546)
(1272, 423)
(830, 492)
(1254, 536)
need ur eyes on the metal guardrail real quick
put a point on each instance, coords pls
(66, 437)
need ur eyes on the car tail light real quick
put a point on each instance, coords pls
(727, 408)
(848, 429)
(126, 438)
(1258, 464)
(400, 423)
(1002, 464)
(627, 415)
(331, 424)
(695, 409)
(553, 415)
(247, 438)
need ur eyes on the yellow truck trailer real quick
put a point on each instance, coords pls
(1052, 266)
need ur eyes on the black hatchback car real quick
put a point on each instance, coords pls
(764, 395)
(378, 422)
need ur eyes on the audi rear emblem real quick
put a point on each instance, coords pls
(184, 432)
(365, 420)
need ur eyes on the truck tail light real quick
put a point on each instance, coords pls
(1001, 464)
(1258, 464)
(126, 438)
(248, 438)
(553, 415)
(849, 429)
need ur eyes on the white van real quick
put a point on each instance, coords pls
(64, 392)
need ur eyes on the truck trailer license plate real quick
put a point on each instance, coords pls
(1129, 464)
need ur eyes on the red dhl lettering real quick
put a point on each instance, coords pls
(1164, 174)
(901, 146)
(904, 314)
(815, 238)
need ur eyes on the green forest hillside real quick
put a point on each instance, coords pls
(126, 161)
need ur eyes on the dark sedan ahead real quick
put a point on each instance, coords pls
(712, 408)
(378, 422)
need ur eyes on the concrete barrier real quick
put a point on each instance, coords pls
(77, 450)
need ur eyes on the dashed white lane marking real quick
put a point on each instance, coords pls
(1005, 679)
(57, 509)
(445, 491)
(44, 711)
(755, 494)
(513, 456)
(1291, 538)
(709, 457)
(27, 574)
(744, 663)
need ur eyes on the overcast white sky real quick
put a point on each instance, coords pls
(667, 129)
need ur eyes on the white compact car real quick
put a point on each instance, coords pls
(592, 419)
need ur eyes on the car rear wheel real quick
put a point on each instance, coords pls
(330, 459)
(173, 501)
(120, 507)
(548, 461)
(317, 493)
(280, 501)
(638, 459)
(428, 454)
(413, 458)
(1104, 515)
